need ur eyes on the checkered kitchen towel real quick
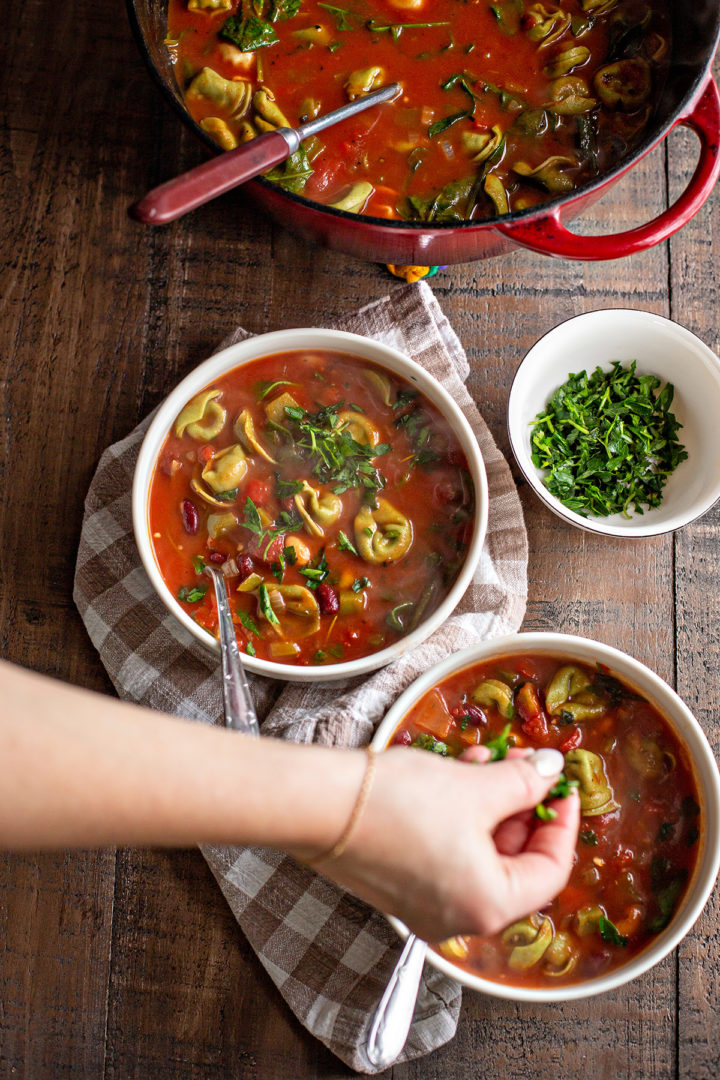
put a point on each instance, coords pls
(329, 954)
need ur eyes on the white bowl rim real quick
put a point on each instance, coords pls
(594, 524)
(704, 766)
(279, 341)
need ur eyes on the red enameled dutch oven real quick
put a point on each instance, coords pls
(690, 97)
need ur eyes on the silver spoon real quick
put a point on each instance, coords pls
(391, 1023)
(240, 712)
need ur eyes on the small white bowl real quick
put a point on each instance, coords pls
(286, 341)
(661, 348)
(705, 770)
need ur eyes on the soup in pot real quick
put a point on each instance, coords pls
(503, 104)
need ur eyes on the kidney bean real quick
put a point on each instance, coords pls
(473, 712)
(402, 738)
(327, 599)
(216, 557)
(190, 517)
(245, 565)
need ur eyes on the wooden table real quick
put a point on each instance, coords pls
(128, 964)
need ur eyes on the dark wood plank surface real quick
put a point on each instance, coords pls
(129, 964)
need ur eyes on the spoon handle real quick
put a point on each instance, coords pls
(393, 1016)
(240, 712)
(213, 178)
(226, 171)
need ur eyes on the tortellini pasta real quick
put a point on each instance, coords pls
(360, 427)
(296, 609)
(383, 534)
(568, 694)
(232, 96)
(203, 417)
(596, 794)
(226, 470)
(245, 431)
(317, 509)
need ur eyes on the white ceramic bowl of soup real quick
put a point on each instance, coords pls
(660, 347)
(643, 681)
(265, 345)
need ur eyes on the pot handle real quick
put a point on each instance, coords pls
(548, 235)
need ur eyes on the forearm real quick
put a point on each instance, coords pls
(83, 769)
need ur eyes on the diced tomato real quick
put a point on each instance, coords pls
(258, 491)
(536, 728)
(205, 453)
(621, 858)
(527, 669)
(571, 742)
(527, 704)
(268, 551)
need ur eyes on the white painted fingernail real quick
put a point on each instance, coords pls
(547, 762)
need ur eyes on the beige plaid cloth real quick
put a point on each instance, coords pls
(329, 954)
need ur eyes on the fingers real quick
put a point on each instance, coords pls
(542, 868)
(512, 834)
(515, 784)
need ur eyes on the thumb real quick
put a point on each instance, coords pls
(542, 869)
(517, 784)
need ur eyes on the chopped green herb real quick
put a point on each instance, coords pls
(560, 790)
(248, 623)
(316, 574)
(396, 29)
(227, 496)
(190, 594)
(608, 441)
(666, 831)
(342, 16)
(589, 837)
(250, 649)
(264, 388)
(500, 745)
(429, 742)
(290, 555)
(344, 544)
(610, 933)
(252, 520)
(336, 457)
(199, 564)
(359, 584)
(319, 657)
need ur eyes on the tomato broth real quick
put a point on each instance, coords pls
(641, 818)
(503, 105)
(334, 495)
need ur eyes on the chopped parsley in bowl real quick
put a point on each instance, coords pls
(612, 419)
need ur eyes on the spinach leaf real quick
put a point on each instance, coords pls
(292, 174)
(610, 933)
(248, 32)
(454, 202)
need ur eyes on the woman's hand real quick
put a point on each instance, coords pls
(454, 847)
